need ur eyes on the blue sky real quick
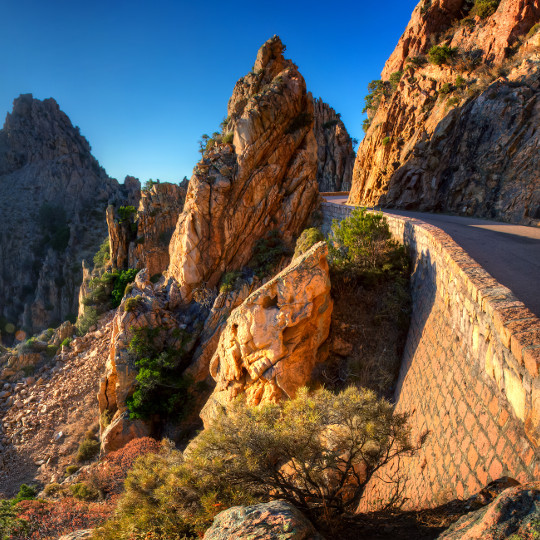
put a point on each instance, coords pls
(144, 79)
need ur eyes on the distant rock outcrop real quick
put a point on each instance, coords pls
(141, 240)
(270, 346)
(335, 154)
(455, 130)
(258, 175)
(53, 196)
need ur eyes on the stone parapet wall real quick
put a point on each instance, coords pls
(469, 375)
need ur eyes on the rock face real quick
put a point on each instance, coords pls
(335, 154)
(276, 520)
(460, 136)
(264, 180)
(53, 196)
(270, 346)
(515, 513)
(142, 241)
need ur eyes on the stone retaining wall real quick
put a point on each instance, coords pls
(469, 375)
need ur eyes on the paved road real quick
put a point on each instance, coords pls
(510, 253)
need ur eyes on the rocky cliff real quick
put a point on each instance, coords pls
(53, 196)
(453, 121)
(257, 176)
(335, 154)
(141, 239)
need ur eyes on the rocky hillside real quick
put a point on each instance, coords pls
(452, 124)
(335, 154)
(53, 196)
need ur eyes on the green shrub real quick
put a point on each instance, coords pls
(323, 438)
(10, 525)
(149, 184)
(485, 8)
(122, 279)
(460, 82)
(71, 469)
(394, 79)
(533, 30)
(416, 61)
(229, 281)
(26, 493)
(106, 417)
(89, 319)
(453, 101)
(53, 489)
(103, 254)
(228, 138)
(365, 124)
(306, 240)
(385, 141)
(362, 244)
(446, 88)
(66, 342)
(84, 491)
(161, 388)
(126, 214)
(441, 54)
(267, 254)
(88, 449)
(377, 91)
(131, 304)
(51, 350)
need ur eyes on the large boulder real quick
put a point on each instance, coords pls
(276, 520)
(258, 175)
(270, 345)
(515, 513)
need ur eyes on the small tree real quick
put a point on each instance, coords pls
(317, 451)
(361, 239)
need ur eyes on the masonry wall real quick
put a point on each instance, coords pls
(469, 375)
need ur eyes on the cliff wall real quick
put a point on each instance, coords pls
(452, 123)
(469, 375)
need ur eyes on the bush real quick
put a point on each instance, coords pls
(363, 242)
(149, 184)
(306, 240)
(126, 214)
(51, 350)
(71, 469)
(131, 304)
(66, 342)
(440, 54)
(446, 88)
(88, 449)
(89, 319)
(122, 279)
(377, 91)
(365, 124)
(385, 141)
(417, 61)
(161, 387)
(317, 451)
(267, 254)
(485, 8)
(533, 30)
(228, 138)
(229, 281)
(53, 489)
(394, 79)
(84, 491)
(460, 82)
(103, 254)
(106, 417)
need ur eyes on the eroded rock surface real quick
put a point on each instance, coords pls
(270, 346)
(335, 154)
(259, 175)
(276, 520)
(461, 136)
(515, 513)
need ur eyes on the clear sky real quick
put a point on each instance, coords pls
(144, 79)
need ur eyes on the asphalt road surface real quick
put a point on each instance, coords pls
(510, 253)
